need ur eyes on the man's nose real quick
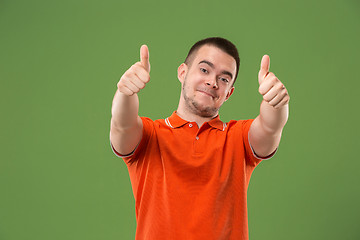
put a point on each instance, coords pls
(212, 82)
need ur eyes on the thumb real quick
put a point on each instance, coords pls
(144, 57)
(264, 68)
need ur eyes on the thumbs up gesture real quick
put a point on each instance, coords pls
(273, 91)
(137, 75)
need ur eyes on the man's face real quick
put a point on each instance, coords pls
(207, 82)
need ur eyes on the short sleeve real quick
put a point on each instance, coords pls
(148, 127)
(250, 154)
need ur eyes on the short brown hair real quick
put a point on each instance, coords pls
(218, 42)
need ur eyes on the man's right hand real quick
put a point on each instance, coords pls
(136, 77)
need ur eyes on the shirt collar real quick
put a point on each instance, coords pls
(175, 121)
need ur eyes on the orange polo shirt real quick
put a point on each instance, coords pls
(191, 183)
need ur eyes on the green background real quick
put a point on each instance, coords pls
(60, 62)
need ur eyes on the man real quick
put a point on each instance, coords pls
(190, 172)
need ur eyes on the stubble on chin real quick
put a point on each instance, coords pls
(196, 108)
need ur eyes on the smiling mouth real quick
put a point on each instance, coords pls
(206, 93)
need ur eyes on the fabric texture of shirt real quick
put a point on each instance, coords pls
(191, 183)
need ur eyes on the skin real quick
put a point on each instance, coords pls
(126, 125)
(206, 85)
(265, 131)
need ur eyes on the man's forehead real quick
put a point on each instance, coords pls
(214, 55)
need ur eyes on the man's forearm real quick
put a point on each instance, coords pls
(273, 119)
(126, 126)
(124, 111)
(265, 132)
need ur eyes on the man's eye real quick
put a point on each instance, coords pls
(224, 80)
(203, 70)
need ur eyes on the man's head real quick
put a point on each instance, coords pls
(221, 43)
(207, 76)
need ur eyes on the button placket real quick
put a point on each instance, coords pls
(198, 143)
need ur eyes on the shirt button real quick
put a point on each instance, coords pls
(197, 138)
(190, 125)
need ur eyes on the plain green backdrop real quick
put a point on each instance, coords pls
(60, 62)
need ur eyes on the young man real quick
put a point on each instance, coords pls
(190, 172)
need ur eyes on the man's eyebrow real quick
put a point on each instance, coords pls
(212, 66)
(208, 63)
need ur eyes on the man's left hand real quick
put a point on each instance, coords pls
(273, 91)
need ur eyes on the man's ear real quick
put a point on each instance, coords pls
(230, 92)
(182, 70)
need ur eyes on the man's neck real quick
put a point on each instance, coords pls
(192, 117)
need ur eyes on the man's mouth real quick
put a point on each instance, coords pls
(207, 93)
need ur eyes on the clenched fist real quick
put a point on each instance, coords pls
(137, 75)
(273, 91)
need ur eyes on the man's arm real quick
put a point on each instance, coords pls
(265, 131)
(126, 125)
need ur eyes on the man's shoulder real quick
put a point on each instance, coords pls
(239, 122)
(150, 122)
(242, 125)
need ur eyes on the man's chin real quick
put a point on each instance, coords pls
(204, 110)
(201, 107)
(208, 114)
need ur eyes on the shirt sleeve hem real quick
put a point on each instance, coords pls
(120, 155)
(258, 157)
